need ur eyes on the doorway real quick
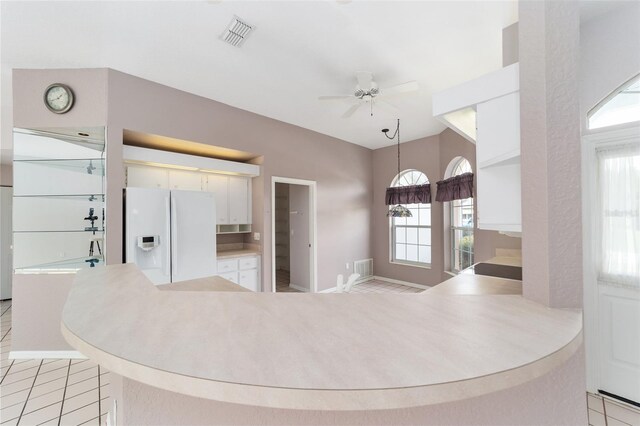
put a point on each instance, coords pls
(293, 235)
(611, 164)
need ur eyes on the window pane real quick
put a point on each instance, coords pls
(413, 220)
(400, 252)
(400, 235)
(424, 254)
(412, 235)
(424, 236)
(399, 221)
(412, 253)
(425, 216)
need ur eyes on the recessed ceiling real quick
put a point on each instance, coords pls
(297, 52)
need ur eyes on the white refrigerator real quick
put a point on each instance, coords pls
(171, 235)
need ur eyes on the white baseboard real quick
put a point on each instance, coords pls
(407, 283)
(46, 355)
(299, 288)
(328, 290)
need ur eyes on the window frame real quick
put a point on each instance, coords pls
(393, 225)
(454, 244)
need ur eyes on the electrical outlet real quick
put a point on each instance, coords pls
(347, 265)
(256, 236)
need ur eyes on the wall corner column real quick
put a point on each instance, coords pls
(549, 39)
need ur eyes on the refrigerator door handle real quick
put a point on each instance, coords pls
(174, 238)
(167, 263)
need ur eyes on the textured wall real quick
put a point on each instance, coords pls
(548, 400)
(550, 146)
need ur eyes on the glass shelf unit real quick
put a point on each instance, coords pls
(58, 202)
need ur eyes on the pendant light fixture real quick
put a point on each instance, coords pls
(398, 210)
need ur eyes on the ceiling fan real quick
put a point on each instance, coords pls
(368, 92)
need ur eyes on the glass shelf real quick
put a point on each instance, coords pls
(61, 267)
(59, 201)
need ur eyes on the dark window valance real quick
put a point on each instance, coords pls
(455, 188)
(414, 194)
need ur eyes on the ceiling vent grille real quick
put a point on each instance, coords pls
(236, 32)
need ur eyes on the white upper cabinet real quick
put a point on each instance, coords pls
(147, 177)
(239, 200)
(498, 130)
(219, 185)
(186, 181)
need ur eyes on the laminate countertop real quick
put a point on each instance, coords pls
(224, 254)
(314, 351)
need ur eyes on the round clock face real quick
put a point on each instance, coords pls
(58, 98)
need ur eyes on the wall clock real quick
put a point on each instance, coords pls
(58, 98)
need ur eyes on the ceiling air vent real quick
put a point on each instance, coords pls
(236, 32)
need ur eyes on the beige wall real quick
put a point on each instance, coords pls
(430, 155)
(342, 170)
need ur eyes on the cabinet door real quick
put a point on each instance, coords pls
(147, 177)
(249, 279)
(188, 181)
(239, 200)
(498, 129)
(231, 276)
(219, 185)
(499, 198)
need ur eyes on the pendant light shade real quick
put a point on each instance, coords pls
(398, 210)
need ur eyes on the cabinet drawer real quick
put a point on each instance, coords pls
(227, 265)
(249, 279)
(231, 276)
(248, 262)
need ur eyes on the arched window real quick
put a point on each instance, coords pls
(411, 236)
(461, 219)
(622, 106)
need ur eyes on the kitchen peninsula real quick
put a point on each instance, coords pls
(370, 351)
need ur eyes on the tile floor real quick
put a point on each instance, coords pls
(604, 411)
(376, 286)
(49, 391)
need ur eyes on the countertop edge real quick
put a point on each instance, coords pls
(315, 399)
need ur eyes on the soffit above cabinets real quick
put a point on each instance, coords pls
(157, 158)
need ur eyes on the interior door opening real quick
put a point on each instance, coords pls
(293, 236)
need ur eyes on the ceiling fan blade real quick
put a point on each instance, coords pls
(348, 113)
(364, 80)
(334, 98)
(400, 89)
(387, 107)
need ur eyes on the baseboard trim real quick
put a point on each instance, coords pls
(46, 355)
(407, 283)
(299, 288)
(328, 290)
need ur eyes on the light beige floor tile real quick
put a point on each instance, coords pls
(77, 388)
(13, 399)
(614, 422)
(80, 375)
(623, 413)
(595, 403)
(596, 419)
(78, 401)
(26, 374)
(48, 387)
(44, 415)
(37, 402)
(12, 388)
(10, 413)
(81, 415)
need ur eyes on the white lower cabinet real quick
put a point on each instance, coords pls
(242, 270)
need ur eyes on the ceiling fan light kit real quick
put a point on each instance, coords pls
(367, 91)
